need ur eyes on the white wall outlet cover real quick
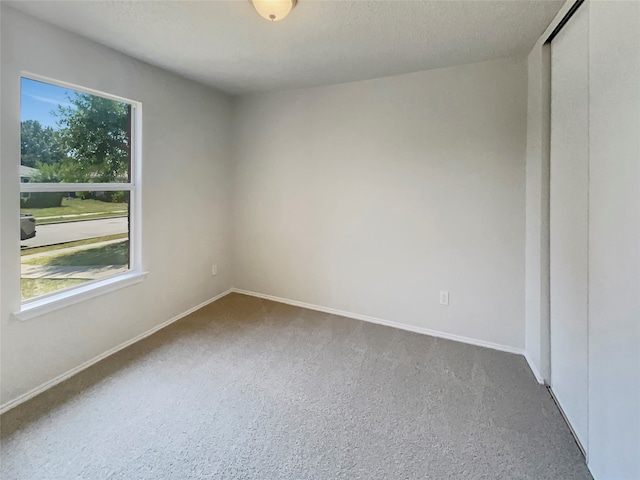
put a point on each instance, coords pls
(214, 270)
(444, 297)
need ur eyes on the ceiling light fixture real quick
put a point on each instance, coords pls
(273, 10)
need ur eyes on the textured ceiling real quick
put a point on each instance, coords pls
(226, 44)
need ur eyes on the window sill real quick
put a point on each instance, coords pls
(36, 308)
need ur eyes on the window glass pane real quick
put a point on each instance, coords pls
(70, 136)
(68, 239)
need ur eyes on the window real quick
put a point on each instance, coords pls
(78, 190)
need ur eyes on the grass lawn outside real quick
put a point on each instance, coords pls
(77, 209)
(34, 287)
(62, 246)
(111, 254)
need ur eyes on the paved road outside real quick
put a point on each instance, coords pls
(73, 231)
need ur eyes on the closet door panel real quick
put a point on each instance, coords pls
(569, 186)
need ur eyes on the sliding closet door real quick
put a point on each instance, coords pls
(569, 184)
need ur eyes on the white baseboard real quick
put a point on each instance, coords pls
(60, 378)
(534, 369)
(388, 323)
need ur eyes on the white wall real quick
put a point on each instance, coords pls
(614, 240)
(186, 210)
(537, 216)
(370, 197)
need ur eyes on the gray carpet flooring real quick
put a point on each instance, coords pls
(250, 389)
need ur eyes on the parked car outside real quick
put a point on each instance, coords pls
(27, 226)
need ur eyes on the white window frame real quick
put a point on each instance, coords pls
(53, 301)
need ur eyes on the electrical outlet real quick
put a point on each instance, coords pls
(444, 297)
(214, 270)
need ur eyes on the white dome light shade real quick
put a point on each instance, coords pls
(274, 10)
